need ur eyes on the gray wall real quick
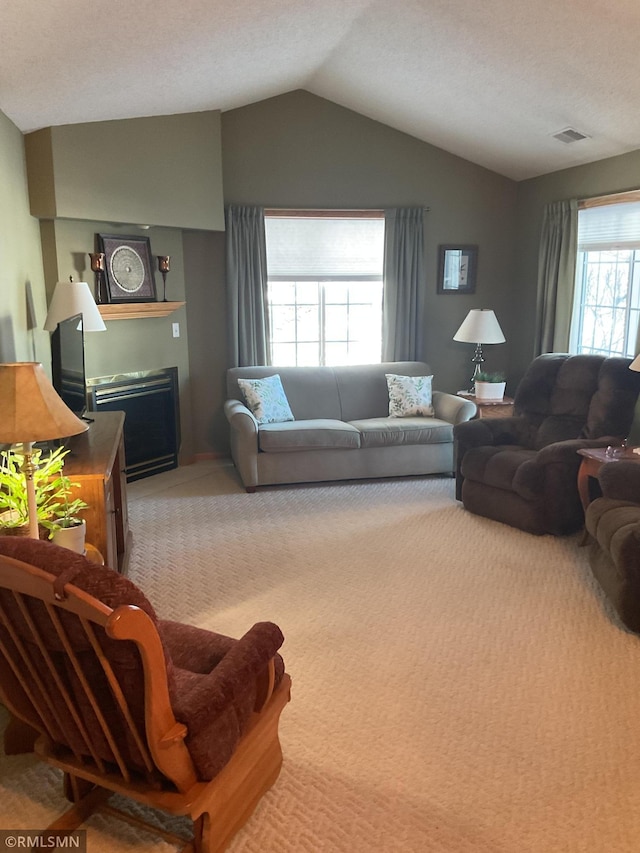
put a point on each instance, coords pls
(159, 170)
(206, 314)
(128, 345)
(22, 300)
(162, 171)
(298, 150)
(615, 174)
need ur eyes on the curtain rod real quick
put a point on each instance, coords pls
(612, 198)
(327, 212)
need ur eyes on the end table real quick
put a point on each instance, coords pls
(490, 408)
(593, 458)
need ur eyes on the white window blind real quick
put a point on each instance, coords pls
(324, 249)
(609, 226)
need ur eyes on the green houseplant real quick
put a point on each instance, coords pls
(489, 386)
(55, 508)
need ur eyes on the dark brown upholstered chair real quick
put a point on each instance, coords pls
(175, 717)
(523, 470)
(613, 525)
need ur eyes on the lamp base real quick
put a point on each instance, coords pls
(477, 360)
(29, 469)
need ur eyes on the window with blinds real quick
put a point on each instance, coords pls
(325, 289)
(606, 308)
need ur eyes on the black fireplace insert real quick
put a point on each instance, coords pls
(150, 401)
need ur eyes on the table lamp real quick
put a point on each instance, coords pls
(480, 326)
(71, 298)
(32, 411)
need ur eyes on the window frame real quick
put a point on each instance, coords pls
(322, 282)
(633, 298)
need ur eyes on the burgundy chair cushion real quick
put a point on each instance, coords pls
(211, 677)
(212, 685)
(103, 583)
(113, 590)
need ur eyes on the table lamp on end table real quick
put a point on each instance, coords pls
(479, 327)
(32, 411)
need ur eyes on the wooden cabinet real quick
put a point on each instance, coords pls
(96, 461)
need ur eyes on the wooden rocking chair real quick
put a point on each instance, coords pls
(123, 702)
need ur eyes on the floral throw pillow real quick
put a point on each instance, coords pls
(266, 399)
(409, 396)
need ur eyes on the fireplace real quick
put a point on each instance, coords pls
(150, 401)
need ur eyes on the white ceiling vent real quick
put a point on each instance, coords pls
(570, 134)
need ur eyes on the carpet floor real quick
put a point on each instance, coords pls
(458, 686)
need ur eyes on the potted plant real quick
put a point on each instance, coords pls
(489, 386)
(65, 527)
(55, 510)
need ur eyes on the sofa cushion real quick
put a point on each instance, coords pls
(316, 434)
(312, 392)
(363, 388)
(409, 396)
(266, 399)
(381, 432)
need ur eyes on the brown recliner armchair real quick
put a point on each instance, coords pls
(613, 524)
(523, 470)
(173, 716)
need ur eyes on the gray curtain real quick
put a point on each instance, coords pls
(247, 286)
(556, 276)
(404, 284)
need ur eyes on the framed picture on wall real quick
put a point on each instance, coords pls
(457, 267)
(128, 268)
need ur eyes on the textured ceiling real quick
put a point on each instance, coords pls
(490, 81)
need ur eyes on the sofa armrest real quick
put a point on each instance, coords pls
(621, 480)
(451, 408)
(244, 441)
(240, 417)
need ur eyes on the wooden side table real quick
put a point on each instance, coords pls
(490, 408)
(593, 458)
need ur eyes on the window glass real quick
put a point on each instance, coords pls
(606, 306)
(325, 290)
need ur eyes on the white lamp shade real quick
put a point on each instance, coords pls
(635, 364)
(480, 326)
(71, 298)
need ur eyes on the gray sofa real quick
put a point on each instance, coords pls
(342, 429)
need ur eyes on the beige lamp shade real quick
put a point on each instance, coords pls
(635, 364)
(31, 410)
(71, 298)
(480, 326)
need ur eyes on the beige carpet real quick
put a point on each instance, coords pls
(458, 686)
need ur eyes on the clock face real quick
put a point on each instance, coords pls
(127, 269)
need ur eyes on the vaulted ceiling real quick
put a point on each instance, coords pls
(490, 81)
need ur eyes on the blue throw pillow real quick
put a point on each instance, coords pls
(266, 399)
